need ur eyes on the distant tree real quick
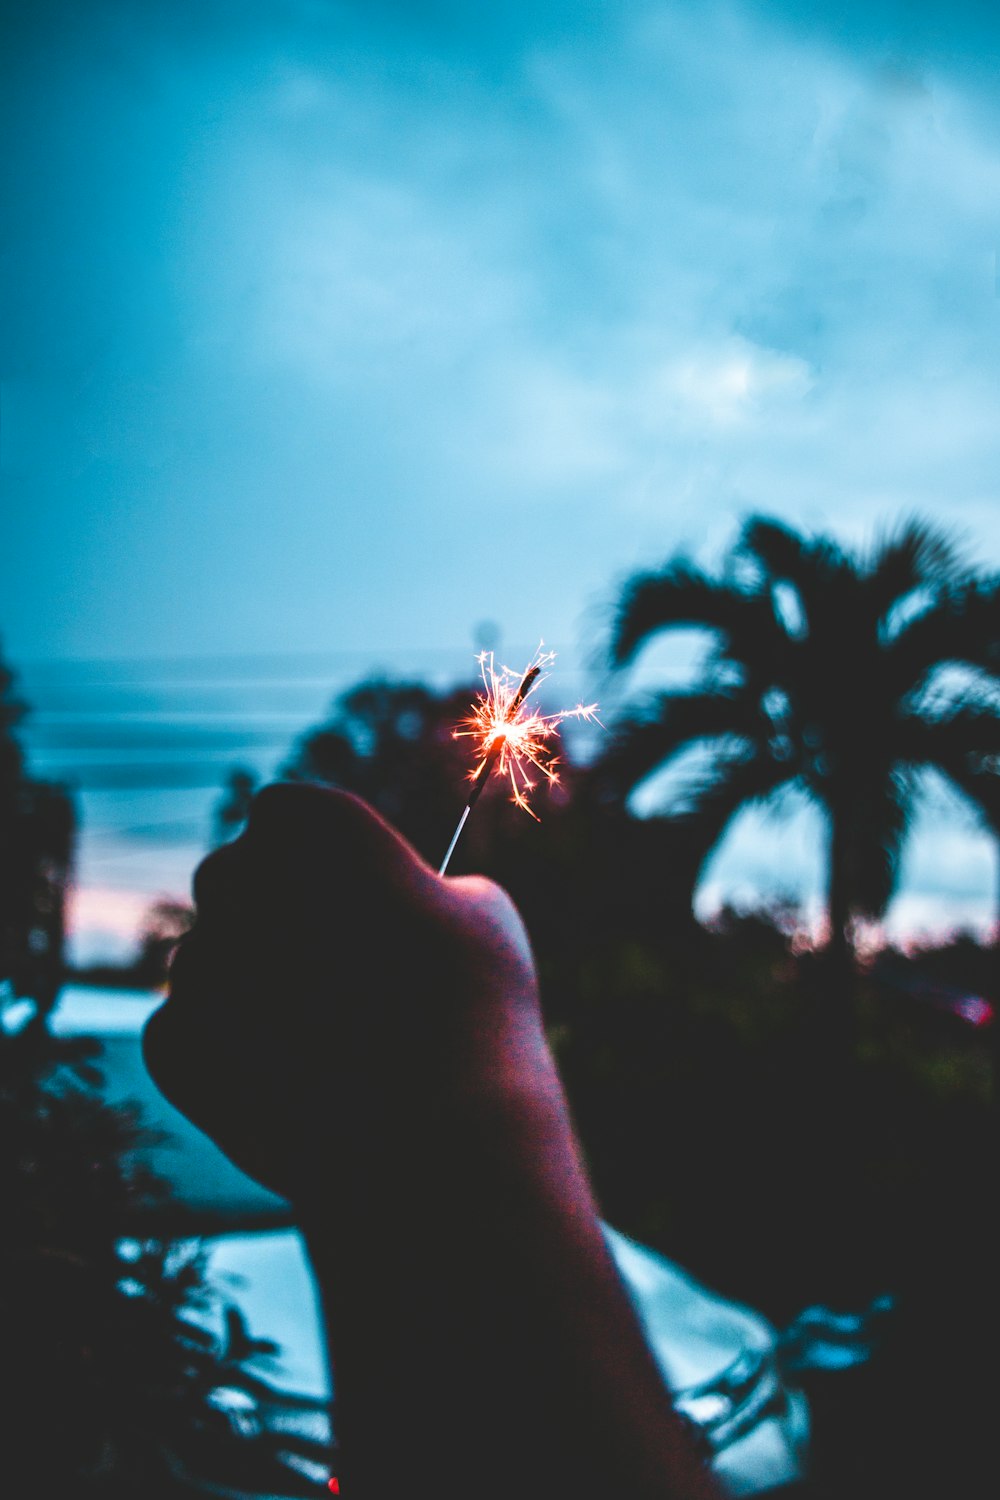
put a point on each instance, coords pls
(231, 810)
(37, 828)
(163, 926)
(11, 784)
(829, 672)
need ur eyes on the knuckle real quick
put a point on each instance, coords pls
(291, 819)
(489, 914)
(485, 895)
(213, 880)
(295, 803)
(273, 799)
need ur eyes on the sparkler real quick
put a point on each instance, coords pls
(510, 736)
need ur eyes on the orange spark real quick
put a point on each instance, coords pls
(512, 735)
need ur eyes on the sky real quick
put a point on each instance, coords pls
(329, 331)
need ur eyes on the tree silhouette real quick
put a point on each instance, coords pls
(230, 812)
(164, 924)
(115, 1382)
(37, 828)
(843, 674)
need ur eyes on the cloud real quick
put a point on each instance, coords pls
(626, 268)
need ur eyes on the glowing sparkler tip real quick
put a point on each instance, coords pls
(512, 736)
(510, 733)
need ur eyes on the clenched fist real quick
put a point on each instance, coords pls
(334, 984)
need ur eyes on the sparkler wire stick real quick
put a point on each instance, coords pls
(455, 837)
(489, 761)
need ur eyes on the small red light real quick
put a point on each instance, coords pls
(333, 1485)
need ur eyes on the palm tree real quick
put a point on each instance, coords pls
(843, 674)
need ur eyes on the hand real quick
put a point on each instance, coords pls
(333, 982)
(365, 1038)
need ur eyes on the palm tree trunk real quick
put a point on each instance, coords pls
(993, 975)
(838, 984)
(835, 1123)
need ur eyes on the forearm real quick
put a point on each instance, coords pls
(475, 1310)
(615, 1397)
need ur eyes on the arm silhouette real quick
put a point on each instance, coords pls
(365, 1038)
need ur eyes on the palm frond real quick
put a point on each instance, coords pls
(680, 595)
(962, 627)
(786, 557)
(970, 729)
(918, 554)
(819, 574)
(662, 726)
(964, 744)
(980, 782)
(734, 781)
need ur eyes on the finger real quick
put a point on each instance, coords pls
(216, 885)
(336, 830)
(183, 1059)
(211, 1018)
(199, 1081)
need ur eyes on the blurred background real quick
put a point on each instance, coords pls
(340, 343)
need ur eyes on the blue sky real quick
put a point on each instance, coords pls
(344, 326)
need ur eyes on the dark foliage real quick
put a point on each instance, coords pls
(164, 924)
(110, 1380)
(231, 810)
(113, 1384)
(37, 828)
(104, 1378)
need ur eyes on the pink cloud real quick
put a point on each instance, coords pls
(103, 923)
